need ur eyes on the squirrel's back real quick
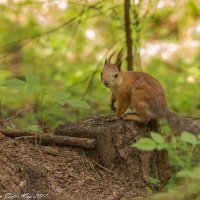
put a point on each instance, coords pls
(145, 88)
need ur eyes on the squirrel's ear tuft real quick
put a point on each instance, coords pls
(110, 57)
(106, 61)
(119, 59)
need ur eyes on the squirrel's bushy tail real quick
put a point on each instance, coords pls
(180, 123)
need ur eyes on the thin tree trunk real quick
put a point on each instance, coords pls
(136, 38)
(128, 34)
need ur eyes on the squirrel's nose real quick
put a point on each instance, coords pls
(106, 84)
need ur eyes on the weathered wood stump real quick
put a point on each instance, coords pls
(112, 150)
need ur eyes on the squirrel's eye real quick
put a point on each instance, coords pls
(116, 75)
(101, 73)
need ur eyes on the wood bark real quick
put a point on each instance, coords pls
(49, 139)
(61, 140)
(112, 150)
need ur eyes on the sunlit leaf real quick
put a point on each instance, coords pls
(61, 98)
(189, 138)
(157, 138)
(33, 128)
(161, 146)
(11, 127)
(78, 103)
(146, 144)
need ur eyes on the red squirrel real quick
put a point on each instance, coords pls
(145, 94)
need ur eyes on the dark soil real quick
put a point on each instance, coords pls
(60, 173)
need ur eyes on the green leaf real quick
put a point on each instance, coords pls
(189, 138)
(157, 138)
(154, 181)
(161, 146)
(30, 78)
(198, 197)
(183, 173)
(166, 129)
(61, 98)
(15, 83)
(146, 144)
(33, 128)
(174, 141)
(11, 127)
(31, 89)
(78, 103)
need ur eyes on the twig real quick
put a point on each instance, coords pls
(16, 114)
(25, 137)
(74, 32)
(14, 133)
(106, 169)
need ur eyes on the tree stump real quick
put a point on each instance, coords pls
(113, 151)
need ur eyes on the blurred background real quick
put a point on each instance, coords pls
(55, 50)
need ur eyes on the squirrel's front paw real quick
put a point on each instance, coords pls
(128, 118)
(112, 119)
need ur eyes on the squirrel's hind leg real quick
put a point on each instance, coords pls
(134, 117)
(143, 112)
(121, 109)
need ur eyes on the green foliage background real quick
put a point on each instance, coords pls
(42, 38)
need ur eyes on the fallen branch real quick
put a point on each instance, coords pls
(60, 140)
(14, 133)
(49, 139)
(16, 114)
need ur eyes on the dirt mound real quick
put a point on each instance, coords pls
(31, 171)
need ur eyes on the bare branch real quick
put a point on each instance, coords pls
(16, 114)
(50, 139)
(14, 133)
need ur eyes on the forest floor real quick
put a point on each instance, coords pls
(30, 171)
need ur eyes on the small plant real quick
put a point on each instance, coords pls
(181, 151)
(42, 98)
(32, 128)
(11, 127)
